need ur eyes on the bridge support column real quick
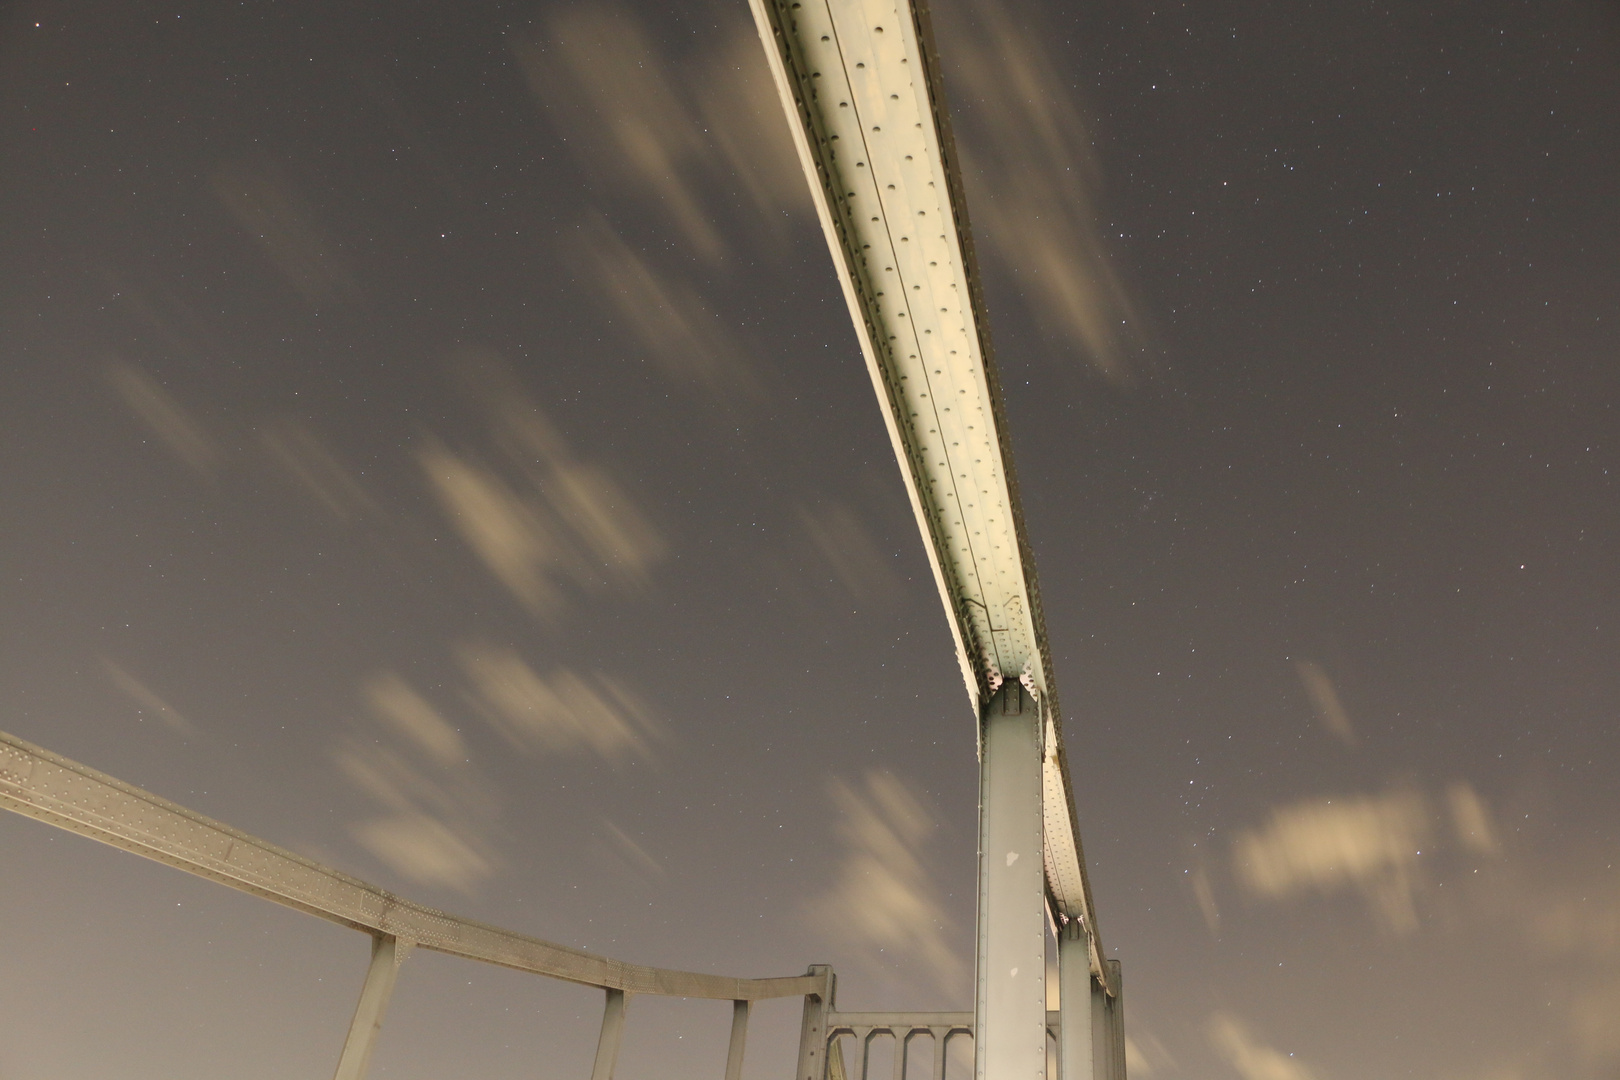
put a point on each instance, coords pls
(813, 1047)
(607, 1047)
(1010, 1010)
(739, 1039)
(1076, 992)
(387, 953)
(1108, 1026)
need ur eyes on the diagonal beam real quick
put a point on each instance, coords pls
(859, 82)
(387, 954)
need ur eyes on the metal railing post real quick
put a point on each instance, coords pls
(941, 1037)
(813, 1048)
(1009, 1023)
(387, 954)
(739, 1039)
(1075, 988)
(607, 1047)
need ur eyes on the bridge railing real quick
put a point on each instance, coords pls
(908, 1030)
(940, 1031)
(48, 787)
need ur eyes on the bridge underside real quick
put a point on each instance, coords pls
(859, 83)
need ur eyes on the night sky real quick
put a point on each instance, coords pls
(432, 439)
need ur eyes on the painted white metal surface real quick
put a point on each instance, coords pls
(48, 787)
(387, 954)
(1075, 989)
(612, 1037)
(739, 1040)
(859, 83)
(1010, 1003)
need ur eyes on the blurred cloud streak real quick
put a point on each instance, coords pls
(142, 695)
(437, 808)
(409, 714)
(1325, 700)
(1033, 178)
(425, 850)
(1472, 819)
(1248, 1056)
(562, 712)
(1145, 1055)
(672, 129)
(847, 546)
(882, 894)
(1370, 843)
(512, 537)
(180, 432)
(1595, 1022)
(667, 317)
(300, 455)
(557, 520)
(742, 113)
(271, 213)
(1204, 893)
(637, 856)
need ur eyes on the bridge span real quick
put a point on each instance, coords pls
(859, 81)
(860, 86)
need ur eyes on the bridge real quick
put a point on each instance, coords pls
(860, 87)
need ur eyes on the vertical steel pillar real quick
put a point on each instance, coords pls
(1010, 1011)
(1108, 1027)
(387, 953)
(1075, 988)
(607, 1047)
(1114, 1024)
(813, 1029)
(1101, 1022)
(739, 1038)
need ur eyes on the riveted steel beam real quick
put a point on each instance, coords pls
(859, 82)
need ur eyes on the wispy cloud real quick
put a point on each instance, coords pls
(1250, 1057)
(1592, 1021)
(425, 850)
(1325, 700)
(849, 550)
(1583, 926)
(560, 712)
(303, 458)
(667, 317)
(544, 517)
(181, 433)
(1472, 819)
(636, 855)
(1034, 180)
(1560, 900)
(512, 534)
(742, 113)
(1371, 844)
(674, 130)
(143, 696)
(1204, 894)
(882, 895)
(408, 713)
(1145, 1055)
(267, 208)
(435, 809)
